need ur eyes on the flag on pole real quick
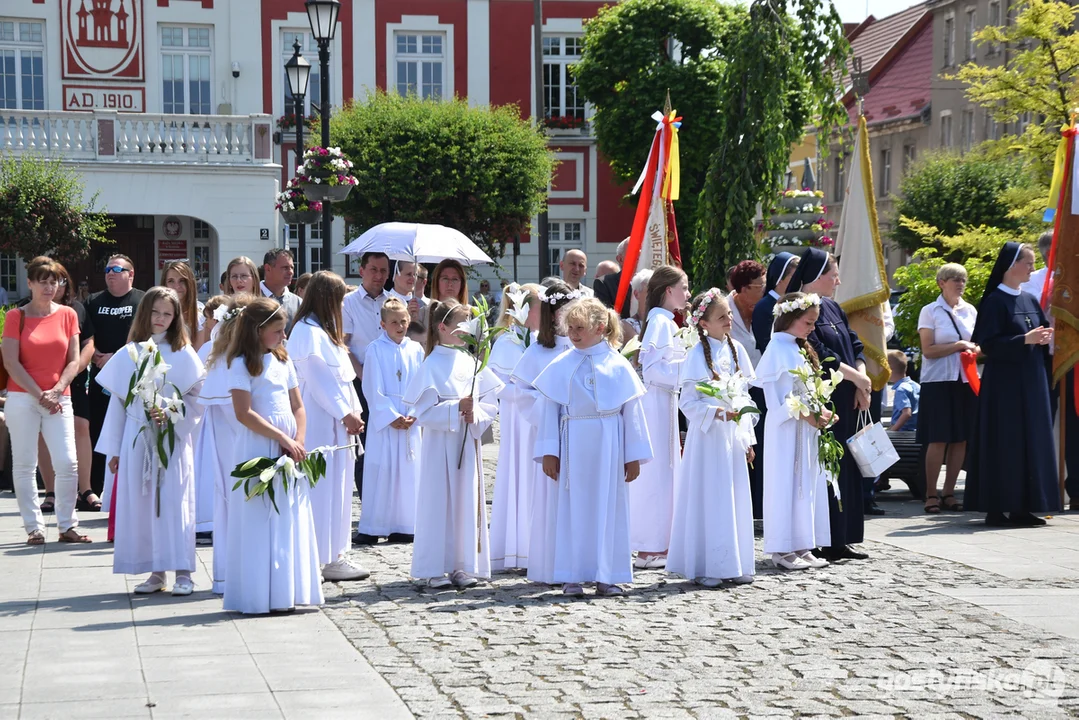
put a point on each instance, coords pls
(1062, 284)
(864, 292)
(653, 235)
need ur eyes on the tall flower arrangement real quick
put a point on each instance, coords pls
(327, 166)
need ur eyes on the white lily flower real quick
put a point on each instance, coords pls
(132, 353)
(469, 327)
(267, 474)
(149, 346)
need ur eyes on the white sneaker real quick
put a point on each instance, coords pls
(439, 582)
(708, 582)
(789, 561)
(650, 562)
(462, 579)
(343, 569)
(812, 559)
(742, 580)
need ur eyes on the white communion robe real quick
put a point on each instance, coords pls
(512, 504)
(712, 535)
(214, 450)
(651, 496)
(391, 470)
(204, 482)
(540, 532)
(795, 487)
(272, 554)
(451, 511)
(593, 421)
(325, 374)
(145, 540)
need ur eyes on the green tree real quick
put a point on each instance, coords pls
(626, 70)
(42, 210)
(948, 191)
(483, 171)
(1038, 78)
(779, 77)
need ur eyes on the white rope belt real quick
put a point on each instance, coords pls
(676, 447)
(563, 432)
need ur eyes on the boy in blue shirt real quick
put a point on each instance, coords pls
(905, 401)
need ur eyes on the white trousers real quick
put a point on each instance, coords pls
(26, 419)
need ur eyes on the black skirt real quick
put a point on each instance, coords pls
(945, 412)
(80, 401)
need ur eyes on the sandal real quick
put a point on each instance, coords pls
(35, 538)
(48, 505)
(932, 509)
(71, 535)
(950, 506)
(85, 504)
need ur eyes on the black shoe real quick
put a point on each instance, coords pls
(842, 552)
(400, 538)
(204, 538)
(873, 509)
(998, 519)
(1025, 519)
(361, 539)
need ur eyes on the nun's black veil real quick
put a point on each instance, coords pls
(809, 269)
(776, 269)
(1005, 259)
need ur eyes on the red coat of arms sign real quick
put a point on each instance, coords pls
(102, 39)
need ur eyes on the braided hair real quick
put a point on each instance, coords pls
(786, 320)
(715, 299)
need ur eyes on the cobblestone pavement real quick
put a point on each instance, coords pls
(871, 638)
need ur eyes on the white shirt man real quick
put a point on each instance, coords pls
(277, 271)
(574, 266)
(361, 310)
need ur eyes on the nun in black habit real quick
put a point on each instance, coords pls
(778, 276)
(838, 348)
(1011, 461)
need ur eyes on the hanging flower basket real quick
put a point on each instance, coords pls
(301, 217)
(295, 207)
(325, 175)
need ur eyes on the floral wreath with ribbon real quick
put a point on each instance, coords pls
(554, 298)
(224, 314)
(698, 314)
(802, 303)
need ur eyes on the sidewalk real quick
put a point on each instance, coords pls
(71, 632)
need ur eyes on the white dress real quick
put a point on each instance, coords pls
(146, 540)
(795, 486)
(713, 508)
(214, 460)
(391, 470)
(512, 504)
(540, 533)
(325, 375)
(593, 421)
(272, 556)
(451, 510)
(651, 496)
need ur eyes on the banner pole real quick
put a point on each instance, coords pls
(1061, 464)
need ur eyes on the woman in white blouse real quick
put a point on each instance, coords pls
(947, 404)
(747, 283)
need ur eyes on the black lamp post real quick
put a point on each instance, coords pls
(298, 73)
(322, 14)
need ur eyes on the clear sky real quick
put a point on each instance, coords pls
(855, 10)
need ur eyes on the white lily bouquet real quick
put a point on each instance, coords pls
(479, 338)
(812, 395)
(257, 474)
(146, 384)
(519, 313)
(732, 393)
(687, 337)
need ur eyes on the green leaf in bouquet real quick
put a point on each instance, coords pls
(270, 492)
(252, 468)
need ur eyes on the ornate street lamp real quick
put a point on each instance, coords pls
(298, 73)
(322, 15)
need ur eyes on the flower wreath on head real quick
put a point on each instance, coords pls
(223, 313)
(554, 298)
(802, 303)
(695, 317)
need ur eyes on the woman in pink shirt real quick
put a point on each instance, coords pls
(41, 354)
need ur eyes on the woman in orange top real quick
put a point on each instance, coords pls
(41, 354)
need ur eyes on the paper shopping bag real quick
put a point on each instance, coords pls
(871, 448)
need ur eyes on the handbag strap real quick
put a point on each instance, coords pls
(864, 419)
(954, 323)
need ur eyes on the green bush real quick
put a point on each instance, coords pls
(948, 191)
(483, 171)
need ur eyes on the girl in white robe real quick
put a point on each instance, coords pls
(592, 441)
(272, 554)
(317, 348)
(795, 494)
(451, 510)
(511, 507)
(155, 505)
(651, 498)
(205, 477)
(548, 345)
(712, 537)
(391, 471)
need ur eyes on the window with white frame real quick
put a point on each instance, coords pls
(968, 34)
(909, 156)
(200, 260)
(560, 97)
(9, 275)
(994, 20)
(186, 60)
(839, 187)
(22, 65)
(312, 102)
(946, 130)
(885, 172)
(966, 130)
(313, 243)
(562, 236)
(949, 41)
(420, 61)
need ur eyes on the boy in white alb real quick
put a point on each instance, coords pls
(391, 471)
